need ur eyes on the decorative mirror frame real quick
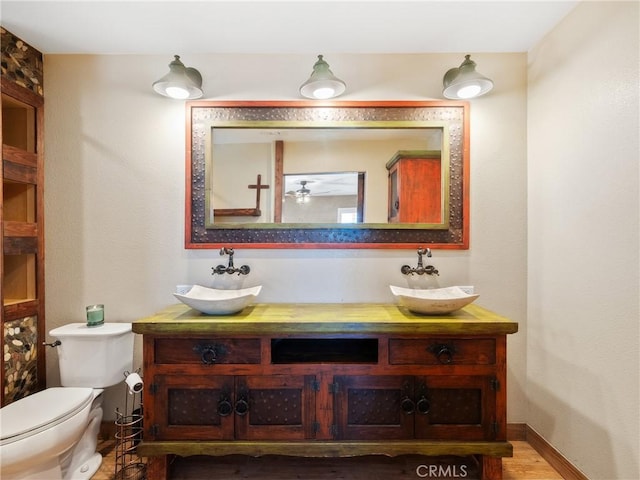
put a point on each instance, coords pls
(201, 116)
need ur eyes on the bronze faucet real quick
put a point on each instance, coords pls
(420, 269)
(230, 268)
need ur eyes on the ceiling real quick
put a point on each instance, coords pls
(272, 27)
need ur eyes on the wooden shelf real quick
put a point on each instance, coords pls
(19, 280)
(18, 124)
(19, 202)
(327, 449)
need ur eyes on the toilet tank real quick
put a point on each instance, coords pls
(95, 357)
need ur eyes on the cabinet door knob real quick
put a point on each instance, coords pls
(225, 408)
(407, 406)
(242, 407)
(423, 406)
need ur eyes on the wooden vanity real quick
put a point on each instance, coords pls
(325, 380)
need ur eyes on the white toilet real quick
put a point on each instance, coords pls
(53, 434)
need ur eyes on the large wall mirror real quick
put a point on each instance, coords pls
(302, 174)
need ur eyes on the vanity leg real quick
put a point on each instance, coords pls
(157, 468)
(491, 468)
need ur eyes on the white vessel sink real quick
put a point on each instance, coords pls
(432, 301)
(213, 301)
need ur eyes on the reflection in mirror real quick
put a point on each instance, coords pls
(323, 197)
(239, 155)
(416, 186)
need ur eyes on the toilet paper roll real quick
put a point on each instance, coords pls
(134, 383)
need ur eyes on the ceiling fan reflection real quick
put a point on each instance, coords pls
(302, 194)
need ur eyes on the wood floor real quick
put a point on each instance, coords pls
(526, 464)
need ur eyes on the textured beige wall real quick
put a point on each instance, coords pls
(583, 298)
(115, 189)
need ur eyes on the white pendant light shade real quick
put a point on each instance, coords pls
(322, 84)
(464, 82)
(182, 83)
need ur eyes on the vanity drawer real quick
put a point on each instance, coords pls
(207, 351)
(442, 351)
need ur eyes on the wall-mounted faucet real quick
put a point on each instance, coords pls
(420, 269)
(230, 268)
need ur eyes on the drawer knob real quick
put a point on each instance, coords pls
(209, 353)
(443, 352)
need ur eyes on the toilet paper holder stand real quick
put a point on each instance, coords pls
(129, 428)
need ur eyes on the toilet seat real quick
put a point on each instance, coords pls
(41, 411)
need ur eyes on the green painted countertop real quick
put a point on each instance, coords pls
(325, 318)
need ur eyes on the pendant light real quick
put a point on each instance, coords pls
(182, 83)
(464, 82)
(322, 84)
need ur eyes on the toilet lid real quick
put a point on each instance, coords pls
(41, 410)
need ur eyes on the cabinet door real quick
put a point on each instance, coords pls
(455, 408)
(275, 407)
(394, 196)
(192, 407)
(374, 407)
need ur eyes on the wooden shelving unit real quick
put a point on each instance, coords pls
(22, 266)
